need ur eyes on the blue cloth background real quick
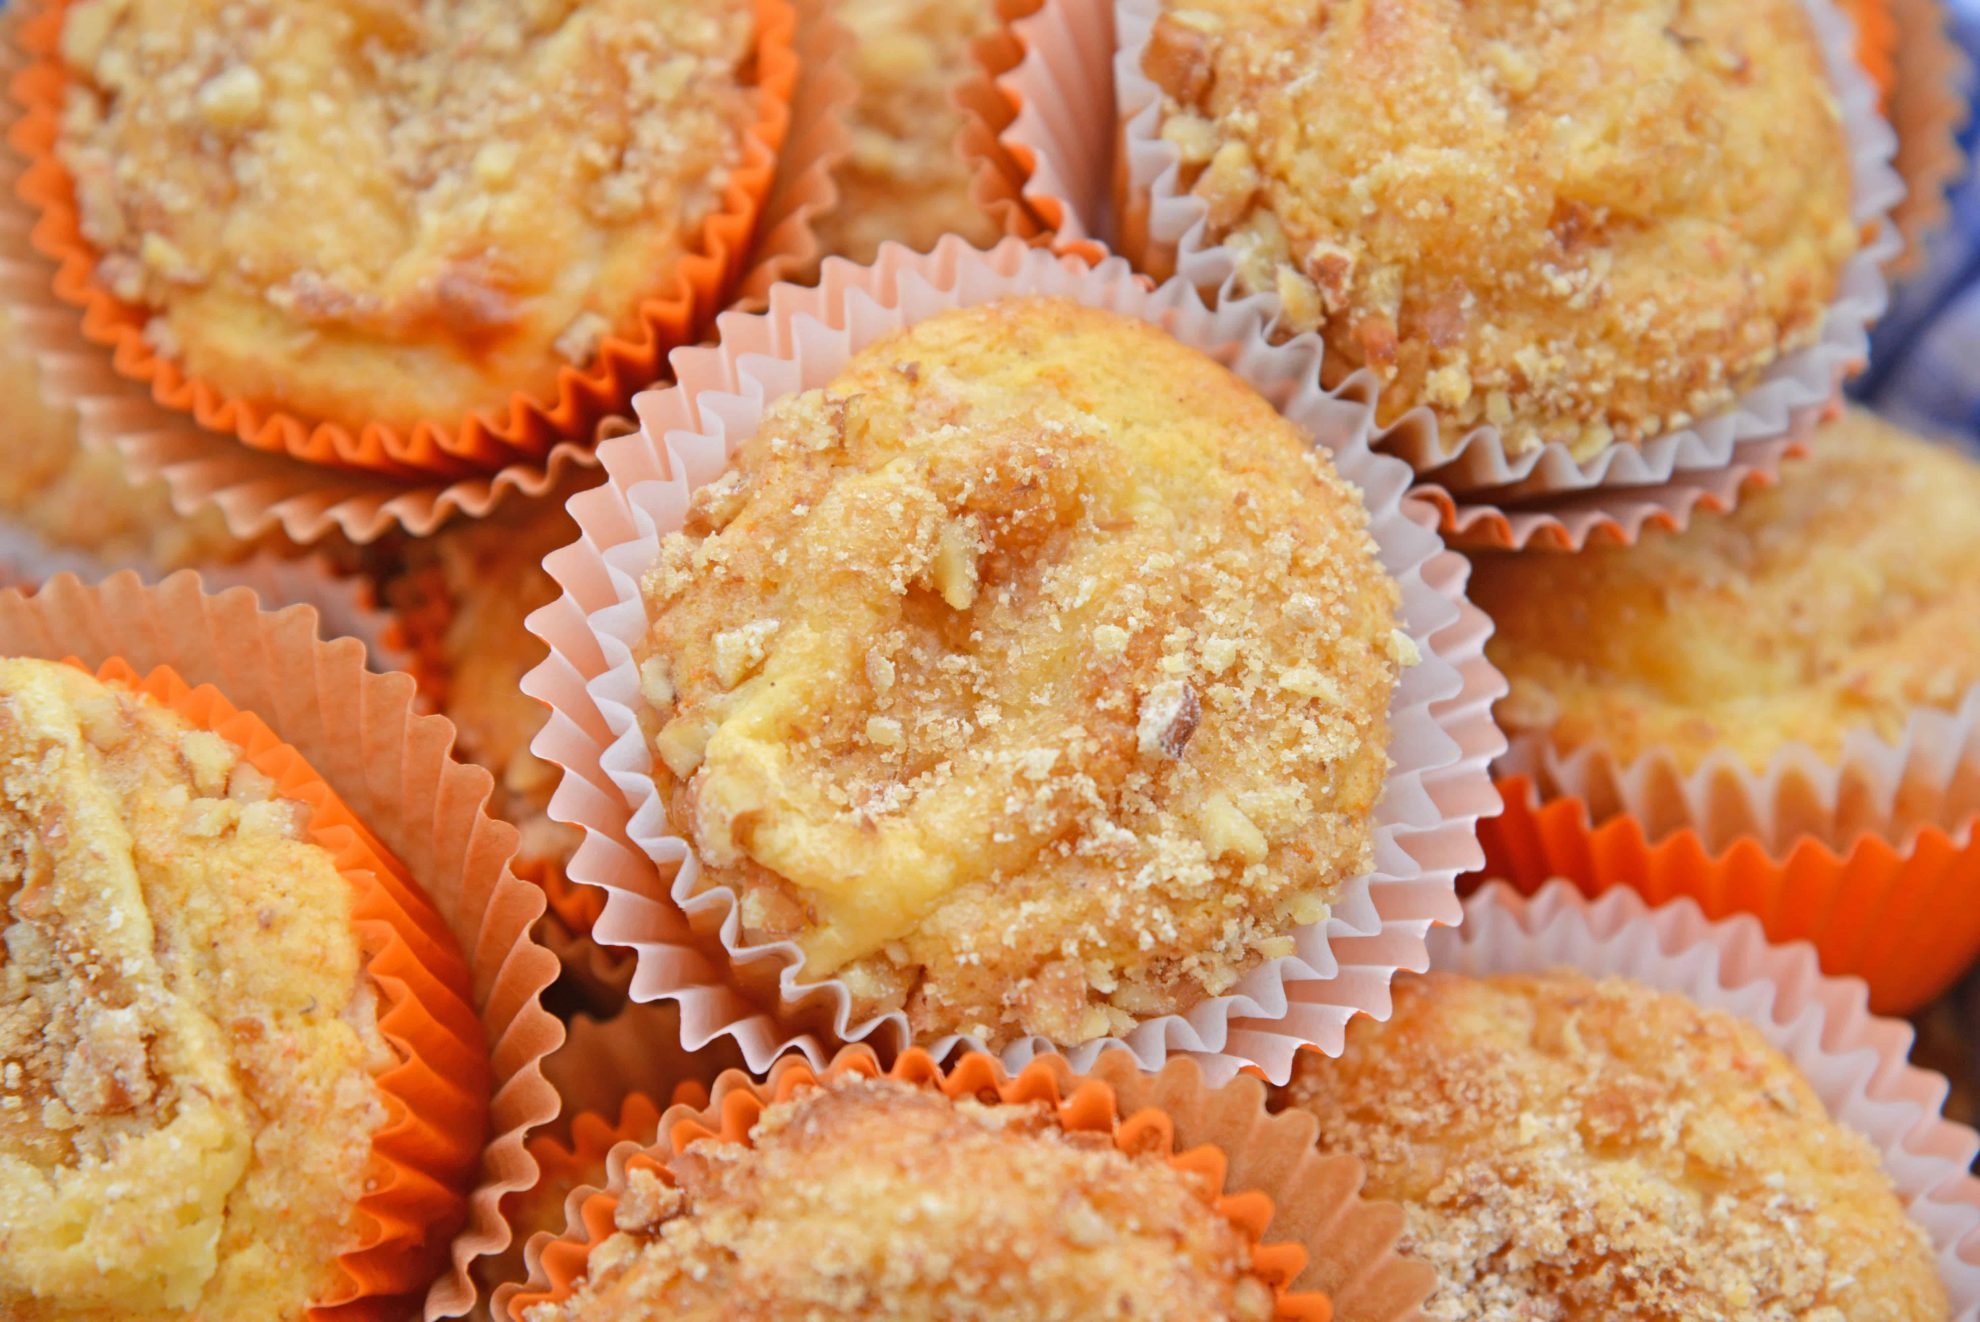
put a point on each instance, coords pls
(1925, 355)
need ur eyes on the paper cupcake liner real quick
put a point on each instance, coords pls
(436, 1098)
(1897, 913)
(1614, 517)
(787, 249)
(690, 945)
(1073, 105)
(346, 605)
(1876, 41)
(608, 1074)
(360, 733)
(599, 978)
(1325, 1252)
(1928, 106)
(1928, 775)
(258, 491)
(1854, 1061)
(998, 177)
(524, 427)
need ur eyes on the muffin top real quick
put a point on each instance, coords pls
(904, 179)
(1846, 597)
(84, 498)
(187, 1042)
(1033, 675)
(875, 1199)
(1583, 223)
(1567, 1150)
(396, 212)
(494, 578)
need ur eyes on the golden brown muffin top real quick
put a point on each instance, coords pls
(1846, 597)
(495, 579)
(364, 211)
(1034, 675)
(874, 1199)
(83, 498)
(904, 179)
(1572, 1150)
(187, 1041)
(1583, 222)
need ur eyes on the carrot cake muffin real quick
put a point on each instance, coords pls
(188, 1045)
(1846, 597)
(1567, 1150)
(904, 179)
(1582, 223)
(874, 1199)
(83, 499)
(398, 212)
(1033, 676)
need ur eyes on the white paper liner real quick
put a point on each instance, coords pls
(1854, 1060)
(1928, 776)
(1070, 109)
(345, 606)
(1442, 736)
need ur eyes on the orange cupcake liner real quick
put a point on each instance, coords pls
(1928, 106)
(360, 734)
(1898, 914)
(1144, 1114)
(1876, 40)
(436, 1098)
(525, 428)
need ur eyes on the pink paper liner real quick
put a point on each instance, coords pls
(1928, 776)
(690, 948)
(346, 606)
(1074, 106)
(1854, 1060)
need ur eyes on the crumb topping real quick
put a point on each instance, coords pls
(1568, 1150)
(874, 1199)
(397, 211)
(904, 179)
(187, 1044)
(1846, 597)
(1033, 676)
(1583, 222)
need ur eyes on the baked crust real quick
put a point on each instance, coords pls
(389, 212)
(1567, 1150)
(1033, 676)
(1583, 223)
(874, 1199)
(1847, 597)
(188, 1044)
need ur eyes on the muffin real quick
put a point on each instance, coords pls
(904, 178)
(1031, 678)
(1845, 598)
(871, 1198)
(1584, 224)
(190, 1046)
(1566, 1149)
(381, 214)
(82, 499)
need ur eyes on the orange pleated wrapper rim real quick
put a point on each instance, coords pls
(436, 1097)
(1876, 41)
(526, 429)
(1090, 1106)
(1898, 914)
